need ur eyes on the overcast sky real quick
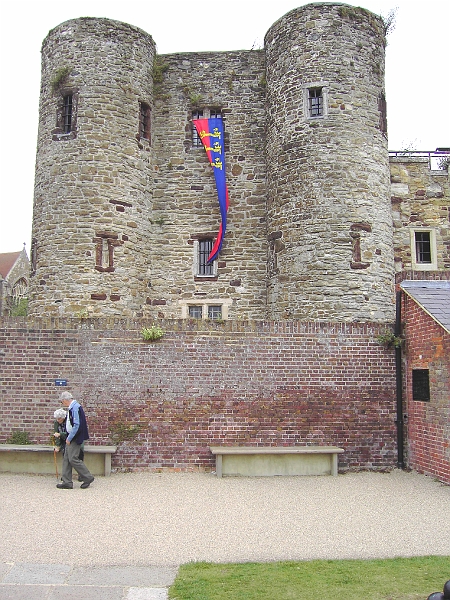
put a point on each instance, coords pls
(417, 72)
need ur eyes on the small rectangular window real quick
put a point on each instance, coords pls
(204, 250)
(215, 113)
(423, 247)
(196, 141)
(144, 121)
(214, 312)
(67, 113)
(315, 102)
(421, 385)
(195, 312)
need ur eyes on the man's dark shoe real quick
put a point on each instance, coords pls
(65, 486)
(86, 484)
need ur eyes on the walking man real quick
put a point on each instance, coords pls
(77, 431)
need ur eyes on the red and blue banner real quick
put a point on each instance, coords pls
(210, 132)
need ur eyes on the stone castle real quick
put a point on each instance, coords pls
(321, 219)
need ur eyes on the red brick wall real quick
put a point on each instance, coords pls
(427, 347)
(204, 384)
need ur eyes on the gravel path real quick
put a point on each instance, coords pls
(137, 519)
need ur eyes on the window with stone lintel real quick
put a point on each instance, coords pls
(423, 249)
(315, 99)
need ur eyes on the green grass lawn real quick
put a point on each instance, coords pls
(390, 579)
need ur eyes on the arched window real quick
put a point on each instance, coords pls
(20, 289)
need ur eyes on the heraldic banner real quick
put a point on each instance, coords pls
(210, 132)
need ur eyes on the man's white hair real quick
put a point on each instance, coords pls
(66, 396)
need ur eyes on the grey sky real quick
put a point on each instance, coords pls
(417, 73)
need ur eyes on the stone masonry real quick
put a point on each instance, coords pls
(118, 215)
(92, 190)
(420, 200)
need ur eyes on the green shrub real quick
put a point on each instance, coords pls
(59, 78)
(151, 334)
(19, 308)
(19, 438)
(389, 339)
(122, 431)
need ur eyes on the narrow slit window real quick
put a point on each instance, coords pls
(204, 250)
(421, 385)
(144, 121)
(383, 113)
(423, 247)
(67, 113)
(315, 102)
(196, 141)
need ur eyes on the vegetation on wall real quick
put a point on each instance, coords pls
(20, 438)
(389, 21)
(152, 334)
(389, 339)
(19, 307)
(59, 78)
(195, 98)
(357, 14)
(158, 70)
(122, 431)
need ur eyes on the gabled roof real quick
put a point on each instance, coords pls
(433, 297)
(7, 261)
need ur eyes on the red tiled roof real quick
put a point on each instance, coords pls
(7, 261)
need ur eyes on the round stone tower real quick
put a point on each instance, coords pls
(90, 255)
(329, 220)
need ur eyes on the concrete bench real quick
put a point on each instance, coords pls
(37, 458)
(258, 461)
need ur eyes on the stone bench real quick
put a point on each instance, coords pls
(37, 458)
(258, 461)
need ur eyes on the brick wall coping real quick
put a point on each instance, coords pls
(189, 325)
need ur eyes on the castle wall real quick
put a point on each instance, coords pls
(329, 221)
(92, 189)
(248, 383)
(420, 199)
(117, 218)
(185, 205)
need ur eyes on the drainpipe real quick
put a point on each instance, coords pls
(399, 382)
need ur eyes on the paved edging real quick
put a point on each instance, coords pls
(47, 581)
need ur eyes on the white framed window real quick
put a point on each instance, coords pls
(423, 249)
(205, 308)
(195, 311)
(215, 311)
(315, 100)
